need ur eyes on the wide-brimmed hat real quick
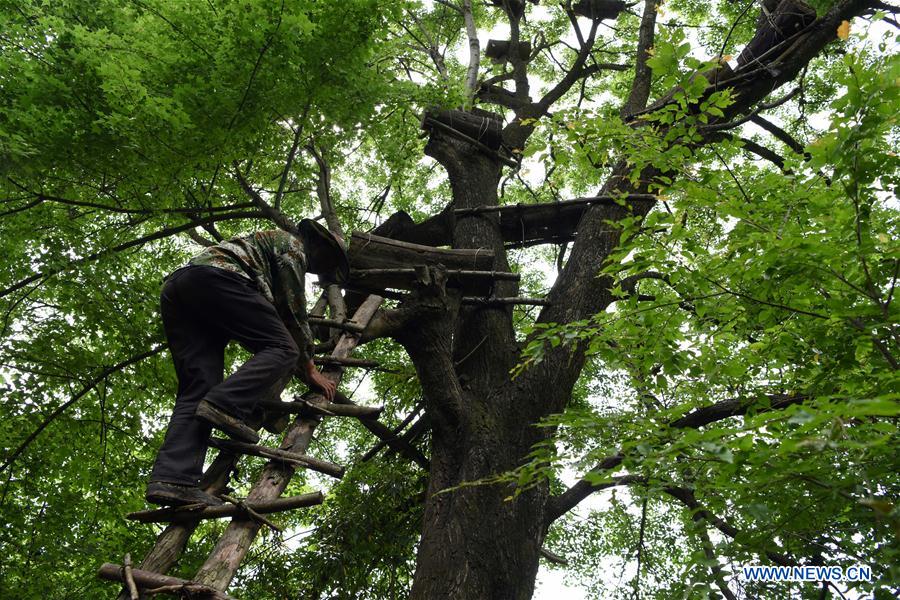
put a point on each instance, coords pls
(325, 251)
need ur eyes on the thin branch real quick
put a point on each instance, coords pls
(474, 50)
(561, 504)
(715, 568)
(90, 385)
(451, 5)
(271, 213)
(279, 195)
(779, 133)
(168, 232)
(42, 197)
(761, 107)
(256, 66)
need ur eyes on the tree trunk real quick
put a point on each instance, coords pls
(475, 542)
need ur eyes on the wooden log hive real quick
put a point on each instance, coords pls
(598, 10)
(481, 126)
(499, 51)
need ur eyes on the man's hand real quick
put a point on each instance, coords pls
(316, 379)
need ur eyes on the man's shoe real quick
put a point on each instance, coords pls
(172, 494)
(272, 420)
(218, 418)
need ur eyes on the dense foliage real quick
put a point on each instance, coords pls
(128, 131)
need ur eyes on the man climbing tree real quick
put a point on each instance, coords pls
(251, 290)
(684, 358)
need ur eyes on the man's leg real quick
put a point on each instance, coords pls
(239, 312)
(198, 351)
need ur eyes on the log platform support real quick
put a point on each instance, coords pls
(335, 409)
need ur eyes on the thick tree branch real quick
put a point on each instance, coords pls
(763, 152)
(578, 293)
(561, 504)
(40, 197)
(199, 239)
(576, 72)
(289, 162)
(640, 87)
(698, 512)
(323, 190)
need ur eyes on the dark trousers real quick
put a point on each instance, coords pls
(203, 308)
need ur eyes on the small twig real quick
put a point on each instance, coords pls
(252, 513)
(129, 578)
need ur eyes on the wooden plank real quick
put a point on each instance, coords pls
(523, 225)
(225, 559)
(471, 283)
(505, 301)
(148, 581)
(553, 206)
(347, 362)
(368, 251)
(168, 515)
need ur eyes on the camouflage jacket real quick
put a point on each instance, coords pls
(276, 261)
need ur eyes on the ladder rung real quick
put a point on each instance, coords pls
(168, 515)
(275, 454)
(147, 580)
(346, 325)
(347, 362)
(327, 408)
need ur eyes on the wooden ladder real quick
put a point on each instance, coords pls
(247, 516)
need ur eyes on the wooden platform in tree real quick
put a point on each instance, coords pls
(553, 222)
(378, 263)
